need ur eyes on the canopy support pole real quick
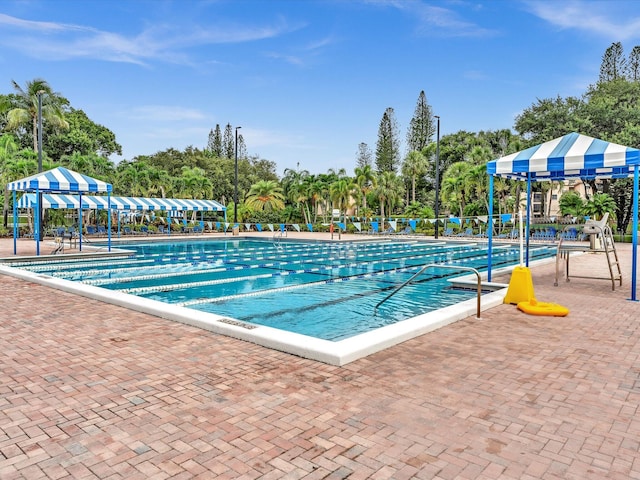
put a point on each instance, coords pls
(490, 227)
(109, 221)
(634, 236)
(528, 223)
(36, 232)
(79, 220)
(15, 223)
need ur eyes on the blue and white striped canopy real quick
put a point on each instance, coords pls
(55, 201)
(570, 156)
(59, 180)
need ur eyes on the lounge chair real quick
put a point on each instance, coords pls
(102, 231)
(449, 232)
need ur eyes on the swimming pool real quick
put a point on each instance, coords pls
(324, 290)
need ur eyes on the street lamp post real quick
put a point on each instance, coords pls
(235, 195)
(437, 172)
(40, 232)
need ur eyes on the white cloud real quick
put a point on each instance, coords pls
(163, 113)
(256, 138)
(60, 41)
(601, 18)
(436, 20)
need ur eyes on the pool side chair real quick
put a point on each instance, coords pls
(449, 232)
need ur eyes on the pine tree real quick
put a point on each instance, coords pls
(388, 145)
(633, 65)
(214, 145)
(363, 156)
(242, 148)
(421, 127)
(613, 64)
(228, 142)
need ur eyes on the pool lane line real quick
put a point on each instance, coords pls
(307, 250)
(204, 270)
(322, 282)
(301, 286)
(280, 266)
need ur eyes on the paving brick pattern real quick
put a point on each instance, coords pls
(89, 390)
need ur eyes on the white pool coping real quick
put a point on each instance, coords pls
(334, 353)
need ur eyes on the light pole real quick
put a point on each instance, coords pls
(40, 229)
(437, 171)
(235, 195)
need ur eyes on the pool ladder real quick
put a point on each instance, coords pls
(277, 239)
(435, 265)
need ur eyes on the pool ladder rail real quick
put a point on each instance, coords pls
(435, 265)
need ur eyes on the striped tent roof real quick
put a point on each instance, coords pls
(60, 180)
(570, 156)
(55, 201)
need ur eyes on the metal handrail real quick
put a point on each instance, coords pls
(435, 265)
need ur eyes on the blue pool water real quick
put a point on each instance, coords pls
(324, 290)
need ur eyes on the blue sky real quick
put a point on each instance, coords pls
(306, 80)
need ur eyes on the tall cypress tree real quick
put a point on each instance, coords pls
(421, 129)
(388, 145)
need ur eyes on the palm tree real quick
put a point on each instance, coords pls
(389, 191)
(24, 109)
(477, 182)
(159, 181)
(133, 178)
(265, 195)
(599, 204)
(8, 150)
(78, 163)
(195, 183)
(366, 181)
(502, 189)
(341, 192)
(414, 166)
(454, 183)
(23, 164)
(295, 189)
(315, 193)
(571, 203)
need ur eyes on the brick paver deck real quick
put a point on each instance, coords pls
(90, 390)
